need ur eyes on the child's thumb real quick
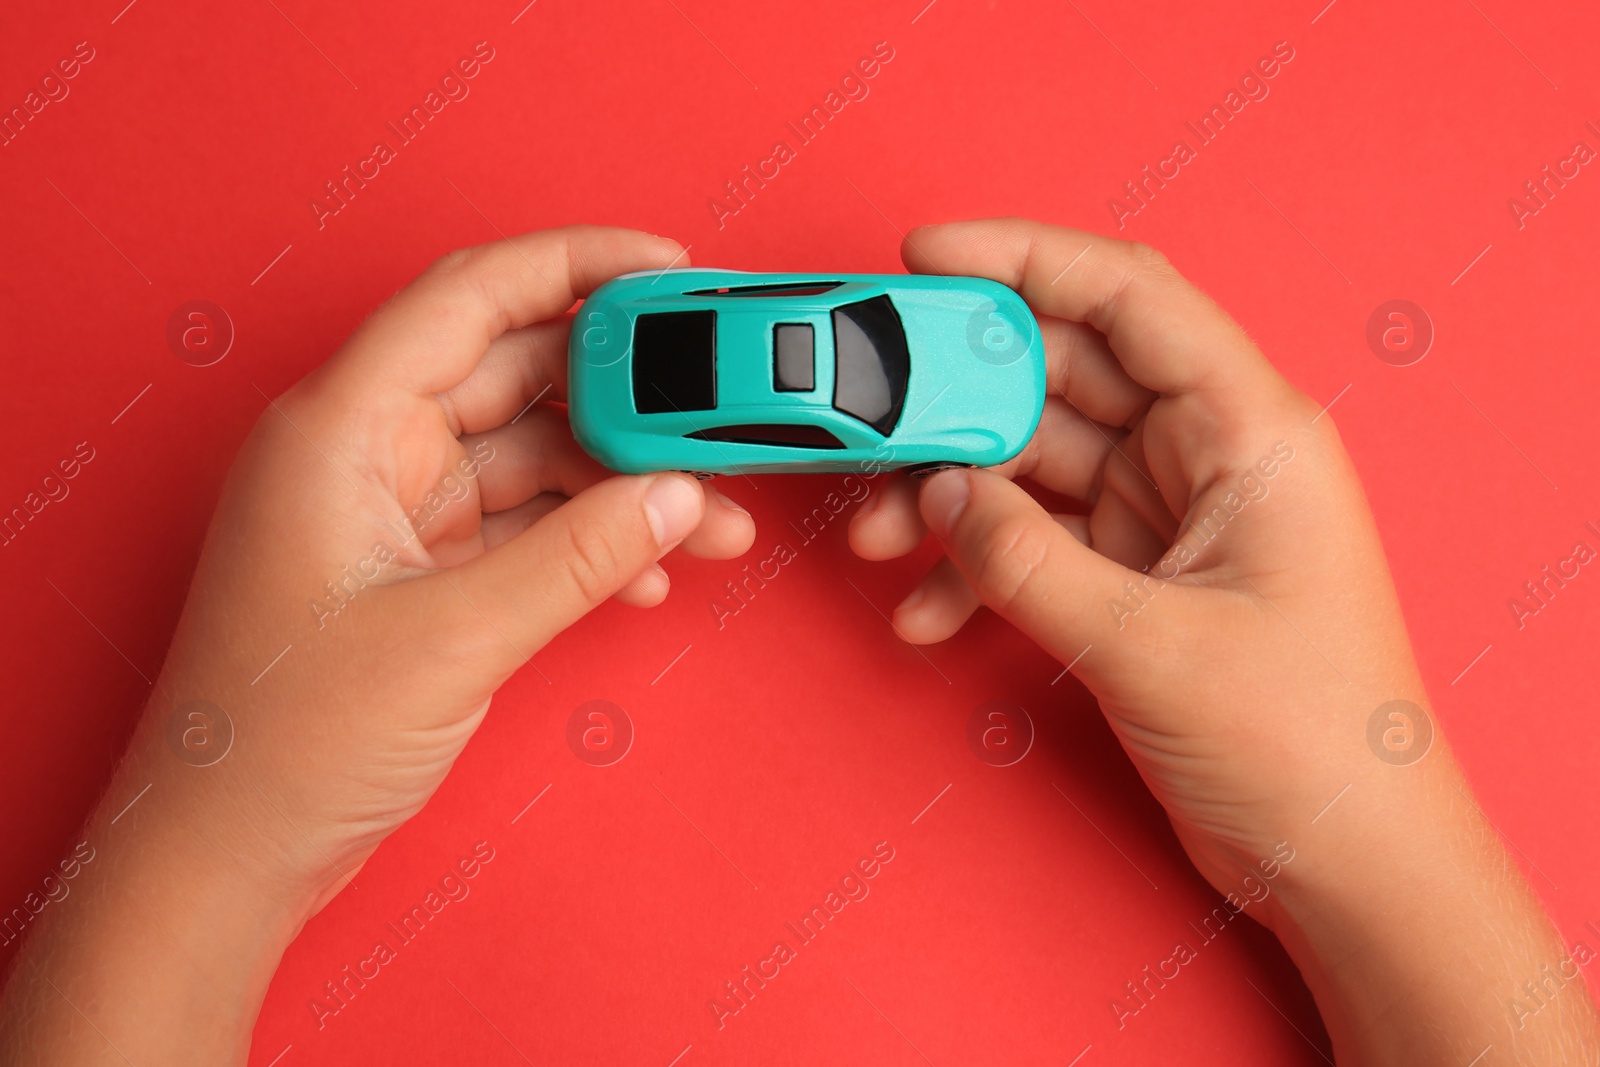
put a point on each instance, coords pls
(573, 559)
(1027, 567)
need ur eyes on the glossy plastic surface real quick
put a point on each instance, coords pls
(904, 370)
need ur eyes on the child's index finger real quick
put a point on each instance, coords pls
(430, 335)
(1168, 334)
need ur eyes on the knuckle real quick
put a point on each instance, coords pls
(1237, 442)
(1299, 410)
(579, 233)
(1013, 554)
(1148, 258)
(311, 407)
(1294, 416)
(592, 562)
(450, 261)
(1016, 224)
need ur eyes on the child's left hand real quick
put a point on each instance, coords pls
(349, 701)
(518, 535)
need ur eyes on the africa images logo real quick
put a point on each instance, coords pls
(1252, 86)
(1399, 733)
(853, 88)
(852, 887)
(338, 193)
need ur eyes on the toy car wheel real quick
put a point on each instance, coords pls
(700, 476)
(920, 471)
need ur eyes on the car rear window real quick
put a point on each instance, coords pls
(783, 434)
(873, 362)
(675, 362)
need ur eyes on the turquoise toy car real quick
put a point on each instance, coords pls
(720, 371)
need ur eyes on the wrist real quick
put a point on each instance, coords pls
(216, 821)
(1414, 930)
(170, 935)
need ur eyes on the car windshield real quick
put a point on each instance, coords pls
(675, 362)
(873, 362)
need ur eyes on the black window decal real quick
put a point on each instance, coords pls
(769, 289)
(873, 362)
(780, 434)
(794, 357)
(675, 362)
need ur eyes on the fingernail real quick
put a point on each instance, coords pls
(725, 502)
(870, 504)
(910, 603)
(672, 507)
(943, 500)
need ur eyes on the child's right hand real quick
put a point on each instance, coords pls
(1227, 600)
(1225, 597)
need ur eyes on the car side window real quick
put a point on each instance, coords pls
(780, 434)
(794, 357)
(874, 364)
(778, 289)
(675, 362)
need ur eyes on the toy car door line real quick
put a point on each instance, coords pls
(719, 371)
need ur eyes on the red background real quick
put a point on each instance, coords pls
(801, 733)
